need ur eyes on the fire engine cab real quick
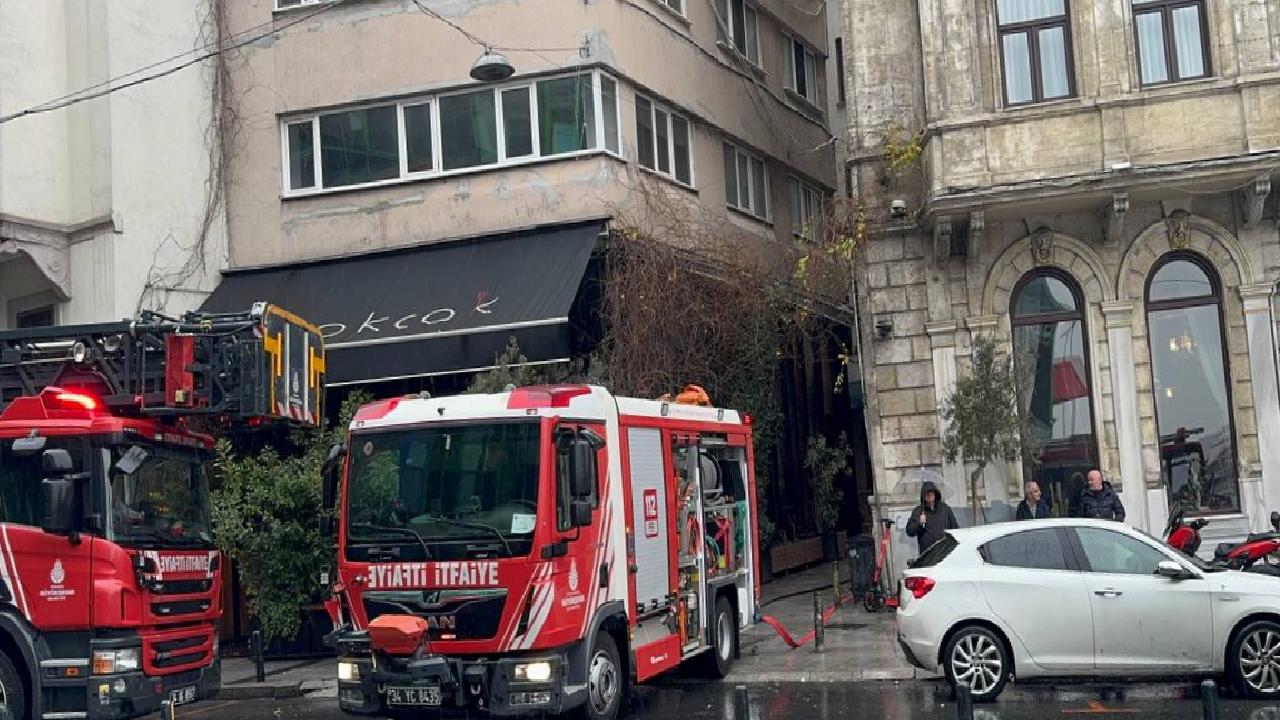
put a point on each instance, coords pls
(538, 550)
(110, 584)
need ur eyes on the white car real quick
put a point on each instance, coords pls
(1084, 598)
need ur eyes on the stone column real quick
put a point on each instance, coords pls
(1124, 394)
(942, 338)
(1266, 395)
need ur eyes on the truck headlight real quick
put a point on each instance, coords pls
(533, 672)
(106, 662)
(348, 671)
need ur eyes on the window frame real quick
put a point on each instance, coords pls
(278, 6)
(656, 107)
(1165, 9)
(817, 193)
(1081, 315)
(681, 11)
(790, 77)
(1186, 303)
(727, 31)
(437, 170)
(1031, 29)
(739, 152)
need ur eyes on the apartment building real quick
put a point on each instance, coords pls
(1095, 189)
(424, 216)
(105, 207)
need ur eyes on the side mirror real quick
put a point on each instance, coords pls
(1172, 570)
(580, 513)
(29, 445)
(582, 469)
(330, 473)
(59, 504)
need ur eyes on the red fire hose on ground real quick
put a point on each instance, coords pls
(808, 637)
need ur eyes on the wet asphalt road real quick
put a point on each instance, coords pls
(689, 701)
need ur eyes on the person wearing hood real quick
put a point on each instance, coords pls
(1099, 500)
(931, 518)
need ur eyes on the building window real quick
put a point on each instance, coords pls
(1189, 378)
(800, 69)
(840, 70)
(806, 209)
(1035, 50)
(286, 4)
(515, 122)
(676, 6)
(738, 25)
(36, 317)
(746, 182)
(1173, 40)
(1051, 349)
(663, 140)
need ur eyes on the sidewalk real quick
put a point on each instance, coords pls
(284, 678)
(858, 646)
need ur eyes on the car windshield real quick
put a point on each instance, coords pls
(1199, 564)
(159, 496)
(452, 492)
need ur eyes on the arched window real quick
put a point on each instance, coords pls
(1193, 397)
(1051, 351)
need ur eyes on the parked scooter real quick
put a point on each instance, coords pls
(878, 597)
(1259, 553)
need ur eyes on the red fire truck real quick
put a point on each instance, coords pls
(109, 581)
(538, 550)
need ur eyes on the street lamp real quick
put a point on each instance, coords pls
(491, 67)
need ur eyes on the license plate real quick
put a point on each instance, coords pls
(413, 696)
(183, 695)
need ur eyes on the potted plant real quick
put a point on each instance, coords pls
(826, 464)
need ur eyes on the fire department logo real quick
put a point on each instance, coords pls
(573, 576)
(57, 574)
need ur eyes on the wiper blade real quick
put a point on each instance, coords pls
(475, 526)
(407, 533)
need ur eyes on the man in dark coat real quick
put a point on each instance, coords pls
(1032, 507)
(1100, 501)
(931, 518)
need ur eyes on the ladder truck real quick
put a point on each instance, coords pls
(110, 586)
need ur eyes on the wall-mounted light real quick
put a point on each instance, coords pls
(884, 328)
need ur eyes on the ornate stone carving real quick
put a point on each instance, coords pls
(1042, 246)
(1178, 226)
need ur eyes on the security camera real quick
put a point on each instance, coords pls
(898, 208)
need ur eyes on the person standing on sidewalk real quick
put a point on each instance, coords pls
(1099, 500)
(931, 518)
(1032, 507)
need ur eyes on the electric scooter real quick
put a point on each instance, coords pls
(878, 597)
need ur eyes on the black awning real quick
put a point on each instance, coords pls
(430, 310)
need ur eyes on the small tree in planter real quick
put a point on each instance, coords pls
(825, 464)
(983, 419)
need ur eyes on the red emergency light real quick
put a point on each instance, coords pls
(546, 396)
(57, 399)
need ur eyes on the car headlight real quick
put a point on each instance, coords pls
(533, 672)
(106, 662)
(348, 671)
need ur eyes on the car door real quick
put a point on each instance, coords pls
(1143, 622)
(1031, 585)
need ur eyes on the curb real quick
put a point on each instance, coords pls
(258, 691)
(1030, 692)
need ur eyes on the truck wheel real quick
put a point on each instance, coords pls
(12, 694)
(724, 640)
(606, 682)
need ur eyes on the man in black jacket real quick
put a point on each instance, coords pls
(1032, 507)
(931, 518)
(1100, 501)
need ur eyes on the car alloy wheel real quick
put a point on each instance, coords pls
(1259, 658)
(977, 660)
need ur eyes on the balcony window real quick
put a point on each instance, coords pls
(1035, 50)
(1172, 40)
(738, 25)
(800, 69)
(746, 182)
(663, 139)
(806, 209)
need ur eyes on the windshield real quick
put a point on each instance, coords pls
(159, 497)
(443, 493)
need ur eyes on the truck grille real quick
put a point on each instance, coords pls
(450, 614)
(166, 653)
(182, 587)
(174, 609)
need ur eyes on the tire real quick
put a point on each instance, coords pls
(872, 601)
(977, 657)
(12, 693)
(1253, 660)
(724, 641)
(606, 681)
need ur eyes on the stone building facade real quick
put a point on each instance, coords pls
(1095, 190)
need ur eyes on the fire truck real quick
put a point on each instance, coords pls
(538, 550)
(110, 585)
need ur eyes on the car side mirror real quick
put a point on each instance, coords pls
(59, 505)
(331, 474)
(582, 468)
(580, 513)
(1172, 570)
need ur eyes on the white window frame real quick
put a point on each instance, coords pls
(747, 209)
(789, 76)
(437, 142)
(278, 6)
(654, 108)
(727, 32)
(811, 194)
(682, 11)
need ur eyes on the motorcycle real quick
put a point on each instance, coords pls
(1259, 553)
